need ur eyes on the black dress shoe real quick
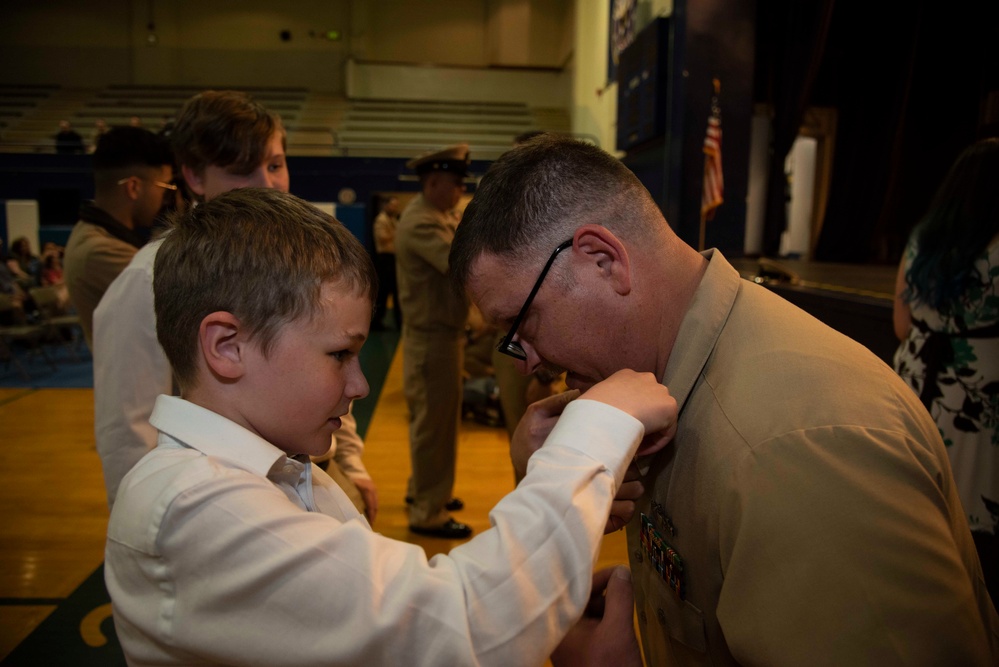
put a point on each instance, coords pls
(452, 505)
(451, 530)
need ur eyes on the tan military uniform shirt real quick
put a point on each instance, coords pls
(93, 259)
(805, 513)
(422, 244)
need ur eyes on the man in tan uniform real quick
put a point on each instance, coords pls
(805, 513)
(433, 332)
(133, 170)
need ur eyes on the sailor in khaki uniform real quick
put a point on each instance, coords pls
(434, 318)
(805, 512)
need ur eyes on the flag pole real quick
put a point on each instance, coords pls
(711, 194)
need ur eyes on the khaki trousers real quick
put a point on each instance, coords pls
(431, 364)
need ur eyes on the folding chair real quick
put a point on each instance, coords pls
(56, 320)
(19, 331)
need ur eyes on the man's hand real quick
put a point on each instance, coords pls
(623, 505)
(369, 494)
(534, 427)
(605, 635)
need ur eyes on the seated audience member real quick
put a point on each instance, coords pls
(133, 170)
(24, 264)
(10, 287)
(67, 140)
(100, 128)
(806, 512)
(221, 535)
(222, 140)
(52, 255)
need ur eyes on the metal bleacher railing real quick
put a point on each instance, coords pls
(317, 124)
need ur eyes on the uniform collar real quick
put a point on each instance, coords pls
(90, 212)
(701, 326)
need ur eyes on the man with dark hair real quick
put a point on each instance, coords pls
(434, 327)
(806, 512)
(133, 170)
(222, 140)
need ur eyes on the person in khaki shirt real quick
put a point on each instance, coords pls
(434, 319)
(805, 513)
(133, 170)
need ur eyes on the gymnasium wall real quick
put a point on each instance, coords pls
(244, 43)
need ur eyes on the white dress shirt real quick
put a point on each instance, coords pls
(221, 549)
(131, 370)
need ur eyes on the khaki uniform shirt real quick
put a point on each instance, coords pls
(385, 233)
(422, 244)
(805, 513)
(93, 259)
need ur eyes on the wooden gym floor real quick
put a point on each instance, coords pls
(53, 514)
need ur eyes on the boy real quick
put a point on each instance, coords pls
(222, 140)
(221, 533)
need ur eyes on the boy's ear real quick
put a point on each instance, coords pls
(221, 345)
(608, 253)
(194, 181)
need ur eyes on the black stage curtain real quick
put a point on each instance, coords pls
(908, 84)
(791, 37)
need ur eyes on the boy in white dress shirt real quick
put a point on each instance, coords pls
(222, 531)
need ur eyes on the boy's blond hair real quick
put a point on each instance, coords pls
(260, 254)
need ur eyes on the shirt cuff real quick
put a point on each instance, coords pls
(600, 431)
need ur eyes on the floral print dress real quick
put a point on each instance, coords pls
(952, 362)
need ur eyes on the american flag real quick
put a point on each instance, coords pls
(714, 184)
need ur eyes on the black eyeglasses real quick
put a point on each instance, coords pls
(508, 345)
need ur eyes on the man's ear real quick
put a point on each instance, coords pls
(222, 346)
(132, 188)
(608, 253)
(194, 181)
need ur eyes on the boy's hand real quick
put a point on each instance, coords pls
(644, 398)
(538, 421)
(605, 635)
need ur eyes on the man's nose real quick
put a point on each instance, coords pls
(530, 364)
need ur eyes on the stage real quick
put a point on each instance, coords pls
(853, 299)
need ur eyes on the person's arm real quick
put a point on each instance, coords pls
(837, 549)
(901, 314)
(130, 371)
(430, 240)
(310, 589)
(348, 455)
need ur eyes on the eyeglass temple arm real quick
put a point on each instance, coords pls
(534, 290)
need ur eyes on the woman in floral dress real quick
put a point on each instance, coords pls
(947, 316)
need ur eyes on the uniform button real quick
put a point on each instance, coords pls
(661, 615)
(643, 617)
(638, 555)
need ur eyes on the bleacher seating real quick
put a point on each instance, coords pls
(318, 124)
